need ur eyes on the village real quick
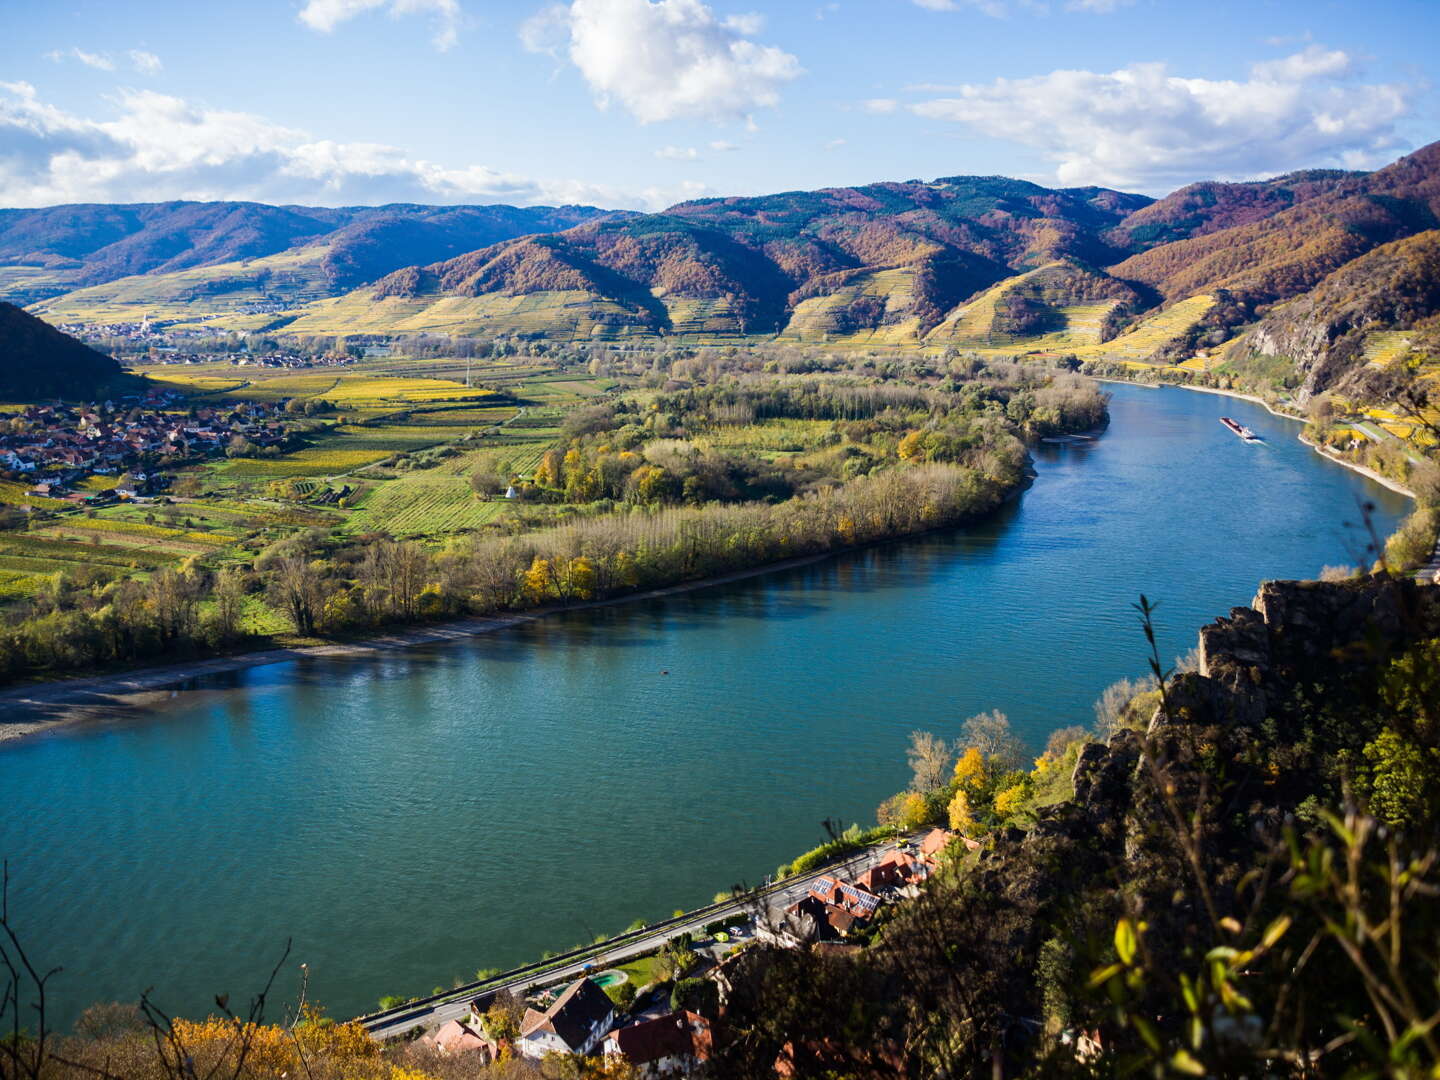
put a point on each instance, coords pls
(669, 1028)
(158, 342)
(60, 451)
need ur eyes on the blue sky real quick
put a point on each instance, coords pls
(640, 103)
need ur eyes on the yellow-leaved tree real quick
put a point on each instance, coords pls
(961, 820)
(536, 581)
(972, 772)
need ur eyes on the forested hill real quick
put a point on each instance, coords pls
(38, 360)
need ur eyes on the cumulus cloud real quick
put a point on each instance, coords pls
(147, 63)
(160, 147)
(678, 153)
(721, 146)
(326, 15)
(98, 61)
(664, 59)
(1144, 126)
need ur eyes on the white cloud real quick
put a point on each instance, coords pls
(1142, 126)
(326, 15)
(835, 144)
(160, 147)
(1312, 62)
(98, 61)
(678, 153)
(995, 8)
(720, 146)
(147, 63)
(1000, 8)
(664, 59)
(881, 106)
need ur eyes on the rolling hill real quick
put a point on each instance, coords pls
(885, 261)
(38, 360)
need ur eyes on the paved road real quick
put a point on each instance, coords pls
(1428, 572)
(1377, 434)
(429, 1012)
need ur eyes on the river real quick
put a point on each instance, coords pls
(411, 817)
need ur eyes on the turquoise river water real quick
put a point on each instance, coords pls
(413, 816)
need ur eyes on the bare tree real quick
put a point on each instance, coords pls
(228, 593)
(299, 590)
(930, 758)
(989, 732)
(1112, 708)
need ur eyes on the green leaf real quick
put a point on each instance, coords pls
(1182, 1062)
(1125, 941)
(1101, 976)
(1275, 931)
(1197, 1032)
(1192, 999)
(1147, 1032)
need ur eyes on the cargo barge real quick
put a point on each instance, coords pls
(1241, 430)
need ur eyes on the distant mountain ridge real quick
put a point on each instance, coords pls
(91, 244)
(1213, 275)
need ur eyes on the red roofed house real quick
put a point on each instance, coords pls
(575, 1024)
(933, 843)
(458, 1037)
(829, 910)
(856, 902)
(897, 870)
(665, 1046)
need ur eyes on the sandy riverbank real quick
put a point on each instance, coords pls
(40, 707)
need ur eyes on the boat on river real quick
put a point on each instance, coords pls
(1241, 430)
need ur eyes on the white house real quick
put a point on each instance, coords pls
(575, 1024)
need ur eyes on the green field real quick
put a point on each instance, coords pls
(403, 437)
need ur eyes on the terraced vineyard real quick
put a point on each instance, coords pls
(1384, 347)
(826, 318)
(559, 316)
(969, 326)
(1141, 341)
(193, 296)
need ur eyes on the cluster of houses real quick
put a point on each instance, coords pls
(54, 447)
(288, 359)
(583, 1020)
(832, 910)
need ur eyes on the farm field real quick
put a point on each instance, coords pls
(770, 438)
(391, 447)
